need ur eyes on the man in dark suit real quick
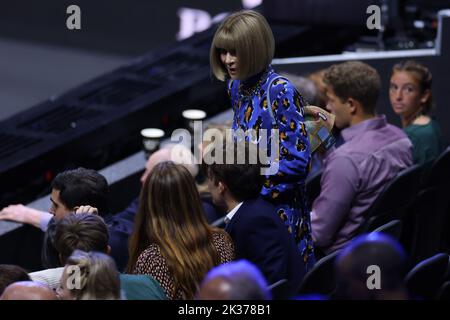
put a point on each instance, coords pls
(257, 231)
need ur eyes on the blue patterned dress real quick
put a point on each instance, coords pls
(285, 189)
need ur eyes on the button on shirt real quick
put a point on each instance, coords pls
(372, 154)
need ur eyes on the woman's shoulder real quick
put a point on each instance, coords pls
(277, 81)
(220, 236)
(224, 244)
(151, 261)
(279, 86)
(431, 128)
(151, 252)
(435, 125)
(425, 137)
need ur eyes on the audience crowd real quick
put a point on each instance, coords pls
(241, 234)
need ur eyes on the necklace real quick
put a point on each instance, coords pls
(247, 89)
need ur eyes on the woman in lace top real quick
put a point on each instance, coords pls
(172, 242)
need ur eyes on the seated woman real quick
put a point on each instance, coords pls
(89, 276)
(411, 99)
(171, 241)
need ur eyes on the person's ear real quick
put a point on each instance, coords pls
(425, 96)
(222, 187)
(61, 260)
(108, 250)
(353, 105)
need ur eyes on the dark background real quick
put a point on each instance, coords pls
(127, 27)
(45, 68)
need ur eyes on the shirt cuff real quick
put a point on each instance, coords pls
(45, 219)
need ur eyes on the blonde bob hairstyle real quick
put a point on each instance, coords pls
(248, 33)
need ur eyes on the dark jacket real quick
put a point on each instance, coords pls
(261, 237)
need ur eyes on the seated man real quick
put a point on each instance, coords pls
(258, 233)
(79, 190)
(236, 280)
(362, 259)
(92, 190)
(367, 155)
(75, 190)
(89, 232)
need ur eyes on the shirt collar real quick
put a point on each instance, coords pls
(232, 212)
(366, 125)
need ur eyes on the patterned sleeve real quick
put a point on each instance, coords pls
(152, 263)
(225, 246)
(294, 142)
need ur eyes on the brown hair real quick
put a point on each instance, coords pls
(242, 178)
(11, 273)
(423, 76)
(357, 80)
(250, 35)
(87, 232)
(82, 187)
(170, 215)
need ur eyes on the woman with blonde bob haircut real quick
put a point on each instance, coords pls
(171, 241)
(249, 34)
(89, 276)
(241, 53)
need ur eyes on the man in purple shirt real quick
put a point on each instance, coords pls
(368, 154)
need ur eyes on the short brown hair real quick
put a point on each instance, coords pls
(11, 273)
(242, 178)
(87, 232)
(82, 187)
(250, 35)
(423, 76)
(357, 80)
